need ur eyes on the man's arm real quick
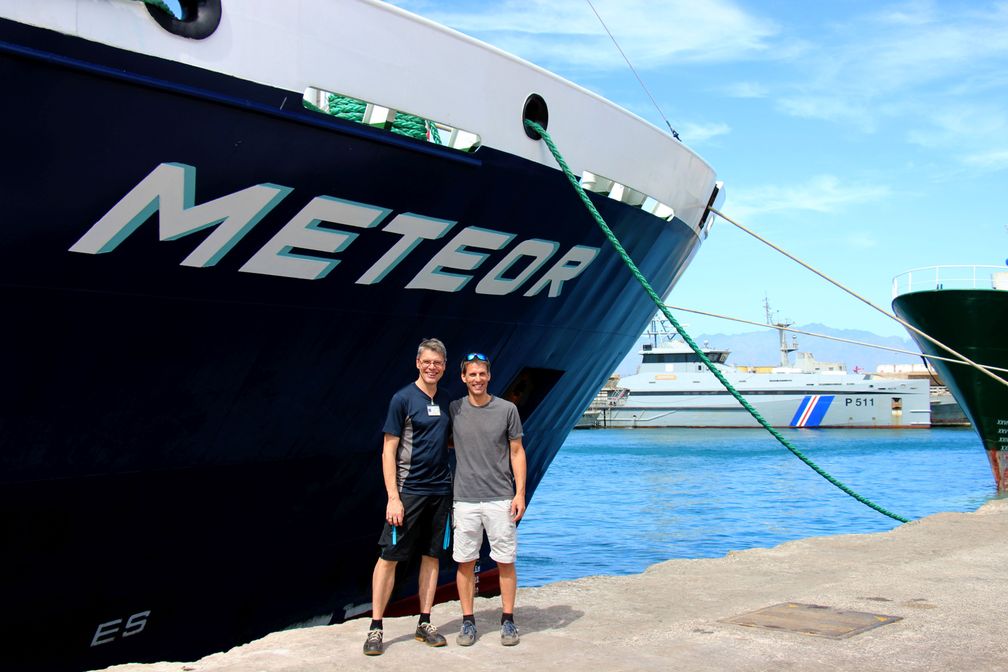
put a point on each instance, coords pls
(394, 508)
(518, 469)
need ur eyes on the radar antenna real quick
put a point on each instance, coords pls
(785, 349)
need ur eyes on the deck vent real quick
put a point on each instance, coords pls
(598, 184)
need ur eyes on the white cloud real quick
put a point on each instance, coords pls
(934, 75)
(957, 122)
(746, 90)
(995, 159)
(878, 55)
(694, 134)
(906, 62)
(972, 134)
(823, 194)
(860, 114)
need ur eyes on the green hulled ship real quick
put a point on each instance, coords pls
(966, 308)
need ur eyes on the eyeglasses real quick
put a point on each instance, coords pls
(476, 355)
(431, 363)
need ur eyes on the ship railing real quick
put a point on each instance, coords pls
(950, 277)
(619, 396)
(609, 397)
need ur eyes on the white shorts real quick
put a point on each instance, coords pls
(470, 519)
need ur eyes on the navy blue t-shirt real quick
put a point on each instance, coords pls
(422, 457)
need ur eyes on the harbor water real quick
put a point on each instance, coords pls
(616, 501)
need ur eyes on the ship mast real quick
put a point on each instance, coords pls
(785, 349)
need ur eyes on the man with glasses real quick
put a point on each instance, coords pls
(418, 481)
(489, 492)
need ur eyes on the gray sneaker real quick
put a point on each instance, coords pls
(509, 633)
(428, 634)
(373, 643)
(467, 635)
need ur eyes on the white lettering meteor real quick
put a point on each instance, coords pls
(328, 225)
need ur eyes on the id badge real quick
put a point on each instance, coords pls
(433, 410)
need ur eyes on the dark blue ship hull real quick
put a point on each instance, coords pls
(189, 452)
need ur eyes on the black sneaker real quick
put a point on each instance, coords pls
(467, 635)
(428, 634)
(373, 643)
(509, 633)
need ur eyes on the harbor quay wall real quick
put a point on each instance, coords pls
(934, 585)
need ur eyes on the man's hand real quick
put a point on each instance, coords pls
(517, 508)
(394, 512)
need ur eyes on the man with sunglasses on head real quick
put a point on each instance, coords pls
(418, 481)
(489, 492)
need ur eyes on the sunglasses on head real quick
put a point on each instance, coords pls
(476, 355)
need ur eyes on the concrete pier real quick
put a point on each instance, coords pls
(944, 577)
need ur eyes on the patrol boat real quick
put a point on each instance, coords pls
(674, 388)
(226, 229)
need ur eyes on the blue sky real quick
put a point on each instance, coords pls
(867, 138)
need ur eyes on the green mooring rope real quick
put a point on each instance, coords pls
(406, 124)
(352, 109)
(686, 337)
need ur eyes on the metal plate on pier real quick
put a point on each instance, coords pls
(812, 619)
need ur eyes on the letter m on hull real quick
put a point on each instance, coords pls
(170, 190)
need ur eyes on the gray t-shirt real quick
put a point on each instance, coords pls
(482, 449)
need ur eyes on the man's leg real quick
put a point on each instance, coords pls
(465, 551)
(465, 579)
(382, 582)
(508, 585)
(426, 632)
(436, 514)
(503, 537)
(427, 582)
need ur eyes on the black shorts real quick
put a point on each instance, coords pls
(426, 528)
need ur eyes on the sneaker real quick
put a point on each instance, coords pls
(428, 634)
(373, 643)
(509, 633)
(467, 635)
